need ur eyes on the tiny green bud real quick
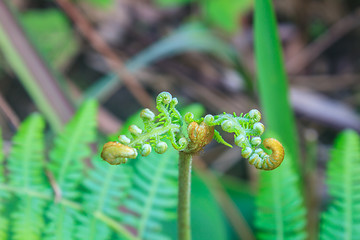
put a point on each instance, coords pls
(145, 149)
(161, 147)
(255, 160)
(147, 114)
(174, 101)
(260, 152)
(124, 140)
(259, 128)
(189, 117)
(209, 119)
(227, 126)
(246, 152)
(239, 140)
(255, 114)
(135, 130)
(164, 97)
(256, 141)
(183, 141)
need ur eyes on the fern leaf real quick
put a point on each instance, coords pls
(71, 148)
(26, 170)
(106, 187)
(3, 196)
(220, 140)
(342, 218)
(280, 210)
(153, 195)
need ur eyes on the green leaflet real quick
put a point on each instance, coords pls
(219, 139)
(3, 196)
(272, 81)
(100, 3)
(153, 195)
(342, 217)
(106, 187)
(26, 166)
(280, 210)
(225, 13)
(67, 156)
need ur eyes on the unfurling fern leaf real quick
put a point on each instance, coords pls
(153, 195)
(3, 196)
(342, 218)
(280, 210)
(106, 187)
(26, 171)
(67, 156)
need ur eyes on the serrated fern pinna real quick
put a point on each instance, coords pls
(341, 220)
(64, 199)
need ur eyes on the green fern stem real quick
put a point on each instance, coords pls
(185, 160)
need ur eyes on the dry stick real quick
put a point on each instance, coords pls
(114, 61)
(9, 113)
(42, 76)
(311, 52)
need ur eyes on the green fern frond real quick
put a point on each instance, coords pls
(26, 170)
(71, 148)
(342, 218)
(106, 187)
(280, 210)
(220, 140)
(4, 224)
(153, 196)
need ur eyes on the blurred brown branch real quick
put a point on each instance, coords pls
(113, 60)
(306, 56)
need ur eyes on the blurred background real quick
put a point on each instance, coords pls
(56, 54)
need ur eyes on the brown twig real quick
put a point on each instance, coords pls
(9, 113)
(113, 60)
(44, 78)
(315, 49)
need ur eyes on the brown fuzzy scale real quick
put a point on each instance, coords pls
(199, 135)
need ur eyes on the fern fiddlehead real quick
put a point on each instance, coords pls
(168, 124)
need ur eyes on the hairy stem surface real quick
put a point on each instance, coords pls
(185, 160)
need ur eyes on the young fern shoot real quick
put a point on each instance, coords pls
(189, 137)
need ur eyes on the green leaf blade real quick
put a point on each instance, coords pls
(71, 148)
(342, 218)
(272, 80)
(280, 210)
(4, 196)
(154, 183)
(106, 187)
(26, 167)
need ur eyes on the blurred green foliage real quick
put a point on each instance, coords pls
(51, 32)
(225, 14)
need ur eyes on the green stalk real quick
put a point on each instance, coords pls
(38, 80)
(184, 232)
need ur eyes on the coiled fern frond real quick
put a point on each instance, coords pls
(342, 218)
(66, 165)
(169, 123)
(280, 210)
(153, 196)
(26, 167)
(106, 187)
